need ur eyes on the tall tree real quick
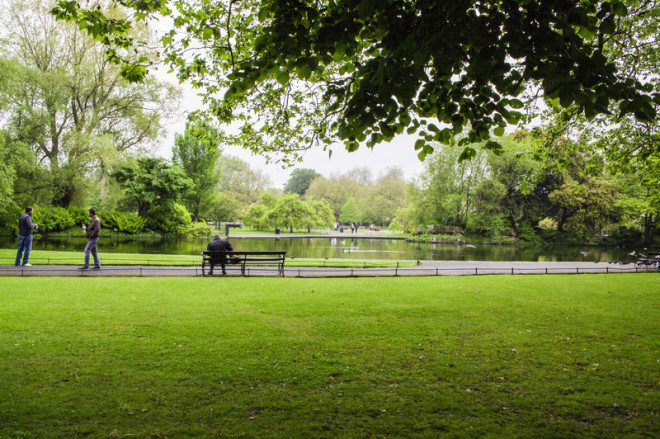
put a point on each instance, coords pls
(300, 180)
(239, 178)
(448, 185)
(350, 212)
(302, 73)
(196, 151)
(388, 194)
(154, 187)
(69, 97)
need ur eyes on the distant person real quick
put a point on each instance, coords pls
(93, 231)
(25, 229)
(219, 245)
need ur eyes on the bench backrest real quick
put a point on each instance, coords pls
(248, 256)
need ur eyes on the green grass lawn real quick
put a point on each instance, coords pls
(47, 257)
(515, 356)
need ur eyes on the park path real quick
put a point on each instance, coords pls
(426, 268)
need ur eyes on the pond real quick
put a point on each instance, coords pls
(355, 248)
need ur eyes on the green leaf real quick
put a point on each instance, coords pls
(304, 72)
(133, 73)
(467, 154)
(282, 76)
(499, 131)
(516, 103)
(495, 147)
(619, 9)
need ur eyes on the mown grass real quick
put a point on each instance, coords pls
(523, 356)
(48, 257)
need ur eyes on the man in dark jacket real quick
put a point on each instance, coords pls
(25, 229)
(93, 231)
(219, 245)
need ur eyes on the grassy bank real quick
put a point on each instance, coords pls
(46, 257)
(524, 356)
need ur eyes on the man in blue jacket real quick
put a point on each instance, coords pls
(25, 229)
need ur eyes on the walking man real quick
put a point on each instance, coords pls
(25, 229)
(93, 231)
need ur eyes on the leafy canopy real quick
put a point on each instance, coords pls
(299, 73)
(300, 180)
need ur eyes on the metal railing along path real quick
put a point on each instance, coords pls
(158, 270)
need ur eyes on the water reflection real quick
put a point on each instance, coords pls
(347, 248)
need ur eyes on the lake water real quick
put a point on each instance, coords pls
(356, 248)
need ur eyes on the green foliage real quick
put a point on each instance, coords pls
(445, 195)
(69, 106)
(487, 219)
(154, 186)
(350, 213)
(7, 176)
(291, 212)
(80, 215)
(152, 182)
(196, 151)
(585, 207)
(199, 229)
(226, 207)
(170, 218)
(324, 216)
(384, 197)
(125, 222)
(257, 217)
(527, 236)
(379, 68)
(9, 219)
(300, 180)
(22, 181)
(334, 190)
(239, 178)
(52, 219)
(288, 211)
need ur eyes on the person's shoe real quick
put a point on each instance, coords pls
(27, 265)
(84, 268)
(96, 268)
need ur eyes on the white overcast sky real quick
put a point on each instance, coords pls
(400, 152)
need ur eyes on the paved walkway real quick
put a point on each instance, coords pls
(426, 268)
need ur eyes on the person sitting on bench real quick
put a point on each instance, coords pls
(219, 245)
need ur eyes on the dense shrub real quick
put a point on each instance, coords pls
(486, 224)
(125, 222)
(199, 230)
(527, 236)
(169, 218)
(52, 219)
(79, 215)
(9, 220)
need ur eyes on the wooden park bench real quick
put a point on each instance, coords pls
(244, 259)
